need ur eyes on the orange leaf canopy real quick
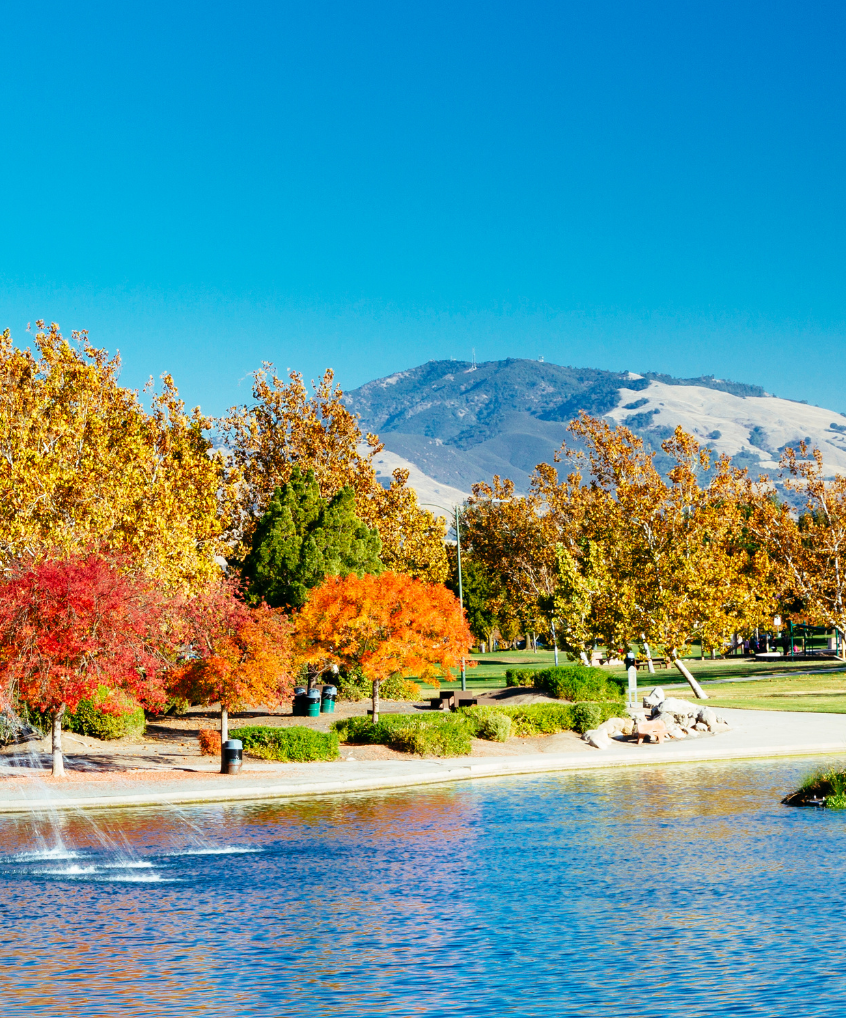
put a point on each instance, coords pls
(386, 625)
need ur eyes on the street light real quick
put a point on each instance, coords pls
(495, 501)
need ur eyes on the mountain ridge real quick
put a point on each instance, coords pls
(460, 422)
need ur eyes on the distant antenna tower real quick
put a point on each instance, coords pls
(474, 359)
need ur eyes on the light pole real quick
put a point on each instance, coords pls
(494, 501)
(460, 582)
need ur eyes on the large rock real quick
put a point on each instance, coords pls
(654, 698)
(707, 717)
(679, 708)
(597, 739)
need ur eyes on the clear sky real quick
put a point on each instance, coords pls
(368, 185)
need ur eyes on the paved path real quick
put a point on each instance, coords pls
(754, 734)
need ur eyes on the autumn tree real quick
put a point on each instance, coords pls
(302, 538)
(286, 427)
(67, 627)
(675, 547)
(383, 625)
(83, 465)
(233, 655)
(809, 547)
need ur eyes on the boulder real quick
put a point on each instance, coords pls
(707, 717)
(700, 727)
(654, 698)
(597, 739)
(681, 708)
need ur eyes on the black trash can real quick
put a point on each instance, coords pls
(300, 702)
(313, 703)
(327, 701)
(232, 752)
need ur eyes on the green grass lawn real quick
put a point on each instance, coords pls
(778, 688)
(823, 693)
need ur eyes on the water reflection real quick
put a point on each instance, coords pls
(671, 891)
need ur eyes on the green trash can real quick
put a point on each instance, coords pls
(327, 701)
(313, 709)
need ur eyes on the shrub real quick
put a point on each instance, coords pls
(295, 743)
(398, 688)
(355, 686)
(109, 714)
(520, 676)
(577, 682)
(543, 718)
(445, 739)
(586, 716)
(433, 735)
(209, 742)
(495, 726)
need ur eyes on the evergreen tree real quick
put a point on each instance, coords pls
(303, 538)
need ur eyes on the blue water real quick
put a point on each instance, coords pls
(673, 891)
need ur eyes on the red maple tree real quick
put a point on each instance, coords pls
(235, 655)
(67, 627)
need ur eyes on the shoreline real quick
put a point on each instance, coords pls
(754, 735)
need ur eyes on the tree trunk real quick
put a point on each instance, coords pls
(58, 759)
(584, 658)
(376, 684)
(694, 685)
(224, 725)
(648, 653)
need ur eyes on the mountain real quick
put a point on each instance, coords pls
(458, 423)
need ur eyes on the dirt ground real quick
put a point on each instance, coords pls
(170, 744)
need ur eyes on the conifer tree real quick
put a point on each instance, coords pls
(302, 538)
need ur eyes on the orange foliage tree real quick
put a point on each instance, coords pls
(237, 656)
(385, 625)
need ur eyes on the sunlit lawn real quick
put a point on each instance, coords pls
(786, 690)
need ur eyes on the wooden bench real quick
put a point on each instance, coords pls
(658, 662)
(468, 702)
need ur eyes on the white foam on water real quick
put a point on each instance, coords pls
(67, 871)
(129, 864)
(46, 855)
(222, 850)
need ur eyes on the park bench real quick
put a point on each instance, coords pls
(469, 701)
(658, 662)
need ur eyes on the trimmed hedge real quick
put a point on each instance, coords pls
(294, 743)
(439, 734)
(548, 718)
(569, 682)
(432, 734)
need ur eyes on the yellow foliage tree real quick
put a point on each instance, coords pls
(682, 563)
(83, 466)
(286, 427)
(809, 547)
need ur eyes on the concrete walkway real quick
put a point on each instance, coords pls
(754, 734)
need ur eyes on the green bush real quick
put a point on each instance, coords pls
(355, 686)
(109, 714)
(495, 727)
(432, 734)
(544, 718)
(520, 676)
(295, 743)
(398, 688)
(448, 738)
(577, 682)
(586, 716)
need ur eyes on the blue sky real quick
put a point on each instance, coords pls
(368, 185)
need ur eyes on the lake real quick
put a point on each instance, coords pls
(679, 890)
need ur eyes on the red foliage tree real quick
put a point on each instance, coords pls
(67, 627)
(385, 625)
(237, 656)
